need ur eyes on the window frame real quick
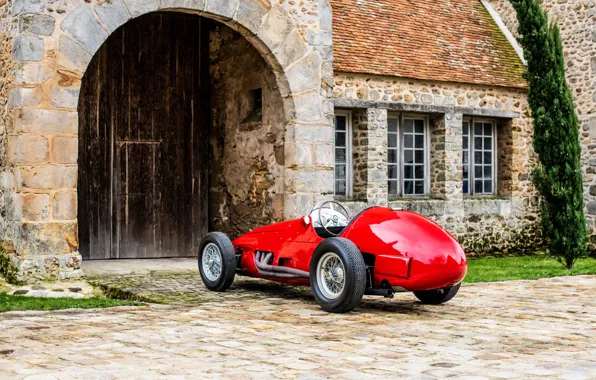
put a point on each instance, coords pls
(471, 169)
(401, 117)
(349, 158)
(398, 180)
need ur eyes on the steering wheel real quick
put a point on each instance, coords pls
(337, 216)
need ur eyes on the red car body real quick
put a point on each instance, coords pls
(410, 251)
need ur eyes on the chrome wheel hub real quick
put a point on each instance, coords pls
(211, 262)
(331, 275)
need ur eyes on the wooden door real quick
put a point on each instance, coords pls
(144, 116)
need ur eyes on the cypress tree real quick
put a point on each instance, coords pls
(558, 176)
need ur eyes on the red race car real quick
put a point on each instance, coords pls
(378, 252)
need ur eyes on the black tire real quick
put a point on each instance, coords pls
(354, 276)
(228, 260)
(437, 296)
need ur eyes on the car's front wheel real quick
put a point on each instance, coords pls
(217, 261)
(338, 275)
(437, 296)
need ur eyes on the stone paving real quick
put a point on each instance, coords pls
(58, 289)
(520, 329)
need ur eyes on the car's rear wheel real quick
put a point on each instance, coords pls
(217, 261)
(437, 296)
(338, 275)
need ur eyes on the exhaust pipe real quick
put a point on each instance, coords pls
(262, 260)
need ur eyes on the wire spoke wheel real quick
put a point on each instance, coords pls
(331, 275)
(212, 262)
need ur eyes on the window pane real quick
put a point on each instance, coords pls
(466, 126)
(409, 156)
(409, 187)
(340, 139)
(408, 126)
(488, 143)
(419, 157)
(392, 171)
(477, 158)
(477, 172)
(408, 141)
(340, 155)
(466, 172)
(488, 187)
(466, 191)
(340, 171)
(393, 155)
(392, 140)
(392, 187)
(488, 172)
(408, 172)
(465, 153)
(488, 157)
(419, 141)
(478, 187)
(392, 125)
(488, 129)
(478, 129)
(340, 123)
(419, 187)
(419, 126)
(478, 143)
(419, 172)
(465, 143)
(340, 187)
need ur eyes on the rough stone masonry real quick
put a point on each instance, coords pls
(279, 167)
(46, 47)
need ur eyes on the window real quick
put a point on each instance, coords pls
(479, 157)
(407, 161)
(393, 154)
(343, 153)
(255, 113)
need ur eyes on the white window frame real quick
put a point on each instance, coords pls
(400, 143)
(349, 162)
(471, 169)
(397, 116)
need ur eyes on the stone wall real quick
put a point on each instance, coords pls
(39, 169)
(6, 81)
(369, 155)
(508, 221)
(247, 150)
(577, 21)
(52, 44)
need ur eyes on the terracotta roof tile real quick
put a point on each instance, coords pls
(442, 40)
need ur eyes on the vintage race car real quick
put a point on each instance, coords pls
(378, 252)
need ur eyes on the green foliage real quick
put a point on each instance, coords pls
(491, 269)
(19, 303)
(558, 176)
(7, 270)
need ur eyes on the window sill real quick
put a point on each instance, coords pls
(425, 198)
(339, 198)
(486, 197)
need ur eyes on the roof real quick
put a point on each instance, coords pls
(440, 40)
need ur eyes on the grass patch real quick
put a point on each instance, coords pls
(22, 303)
(490, 269)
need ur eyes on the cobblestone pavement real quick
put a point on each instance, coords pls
(520, 329)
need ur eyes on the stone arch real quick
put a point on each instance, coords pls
(50, 62)
(300, 59)
(267, 27)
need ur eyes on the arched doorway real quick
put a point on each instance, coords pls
(144, 138)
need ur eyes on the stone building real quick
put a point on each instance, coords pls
(129, 128)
